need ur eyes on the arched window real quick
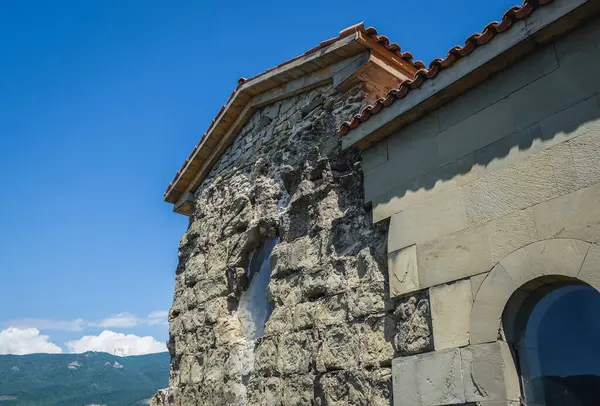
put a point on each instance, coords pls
(556, 343)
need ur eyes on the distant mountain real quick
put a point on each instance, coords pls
(92, 378)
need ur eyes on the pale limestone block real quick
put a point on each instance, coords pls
(584, 39)
(554, 92)
(572, 122)
(476, 282)
(567, 124)
(550, 13)
(498, 87)
(517, 267)
(403, 273)
(576, 215)
(411, 153)
(511, 232)
(451, 312)
(509, 150)
(586, 157)
(477, 131)
(454, 257)
(590, 270)
(416, 191)
(489, 304)
(405, 381)
(489, 373)
(375, 155)
(429, 379)
(556, 257)
(442, 215)
(563, 167)
(513, 188)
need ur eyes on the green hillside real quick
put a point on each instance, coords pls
(81, 379)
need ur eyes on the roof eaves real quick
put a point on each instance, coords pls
(510, 17)
(245, 90)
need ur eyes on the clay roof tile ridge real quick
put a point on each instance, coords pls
(511, 16)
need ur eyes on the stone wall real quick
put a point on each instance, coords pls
(333, 332)
(494, 190)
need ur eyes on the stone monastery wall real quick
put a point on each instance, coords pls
(332, 333)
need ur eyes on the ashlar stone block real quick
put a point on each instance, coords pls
(511, 232)
(556, 257)
(429, 379)
(430, 220)
(477, 131)
(451, 313)
(416, 191)
(586, 156)
(590, 270)
(454, 257)
(489, 373)
(403, 272)
(489, 304)
(515, 187)
(576, 215)
(374, 155)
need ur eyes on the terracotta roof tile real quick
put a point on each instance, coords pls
(370, 32)
(510, 17)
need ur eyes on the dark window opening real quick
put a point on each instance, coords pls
(558, 353)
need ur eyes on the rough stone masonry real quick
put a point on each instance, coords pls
(333, 331)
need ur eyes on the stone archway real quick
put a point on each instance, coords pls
(514, 285)
(485, 370)
(524, 271)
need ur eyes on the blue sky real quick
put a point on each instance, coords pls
(100, 103)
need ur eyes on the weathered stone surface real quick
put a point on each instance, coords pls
(411, 153)
(590, 269)
(442, 215)
(285, 176)
(476, 282)
(576, 215)
(375, 341)
(340, 388)
(454, 257)
(511, 232)
(489, 304)
(475, 132)
(417, 191)
(586, 155)
(413, 329)
(374, 155)
(403, 272)
(513, 188)
(451, 314)
(430, 379)
(498, 87)
(489, 373)
(572, 122)
(554, 92)
(555, 257)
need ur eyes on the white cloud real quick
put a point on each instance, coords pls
(49, 324)
(160, 317)
(18, 341)
(117, 344)
(119, 320)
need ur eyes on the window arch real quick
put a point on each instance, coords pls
(522, 301)
(555, 340)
